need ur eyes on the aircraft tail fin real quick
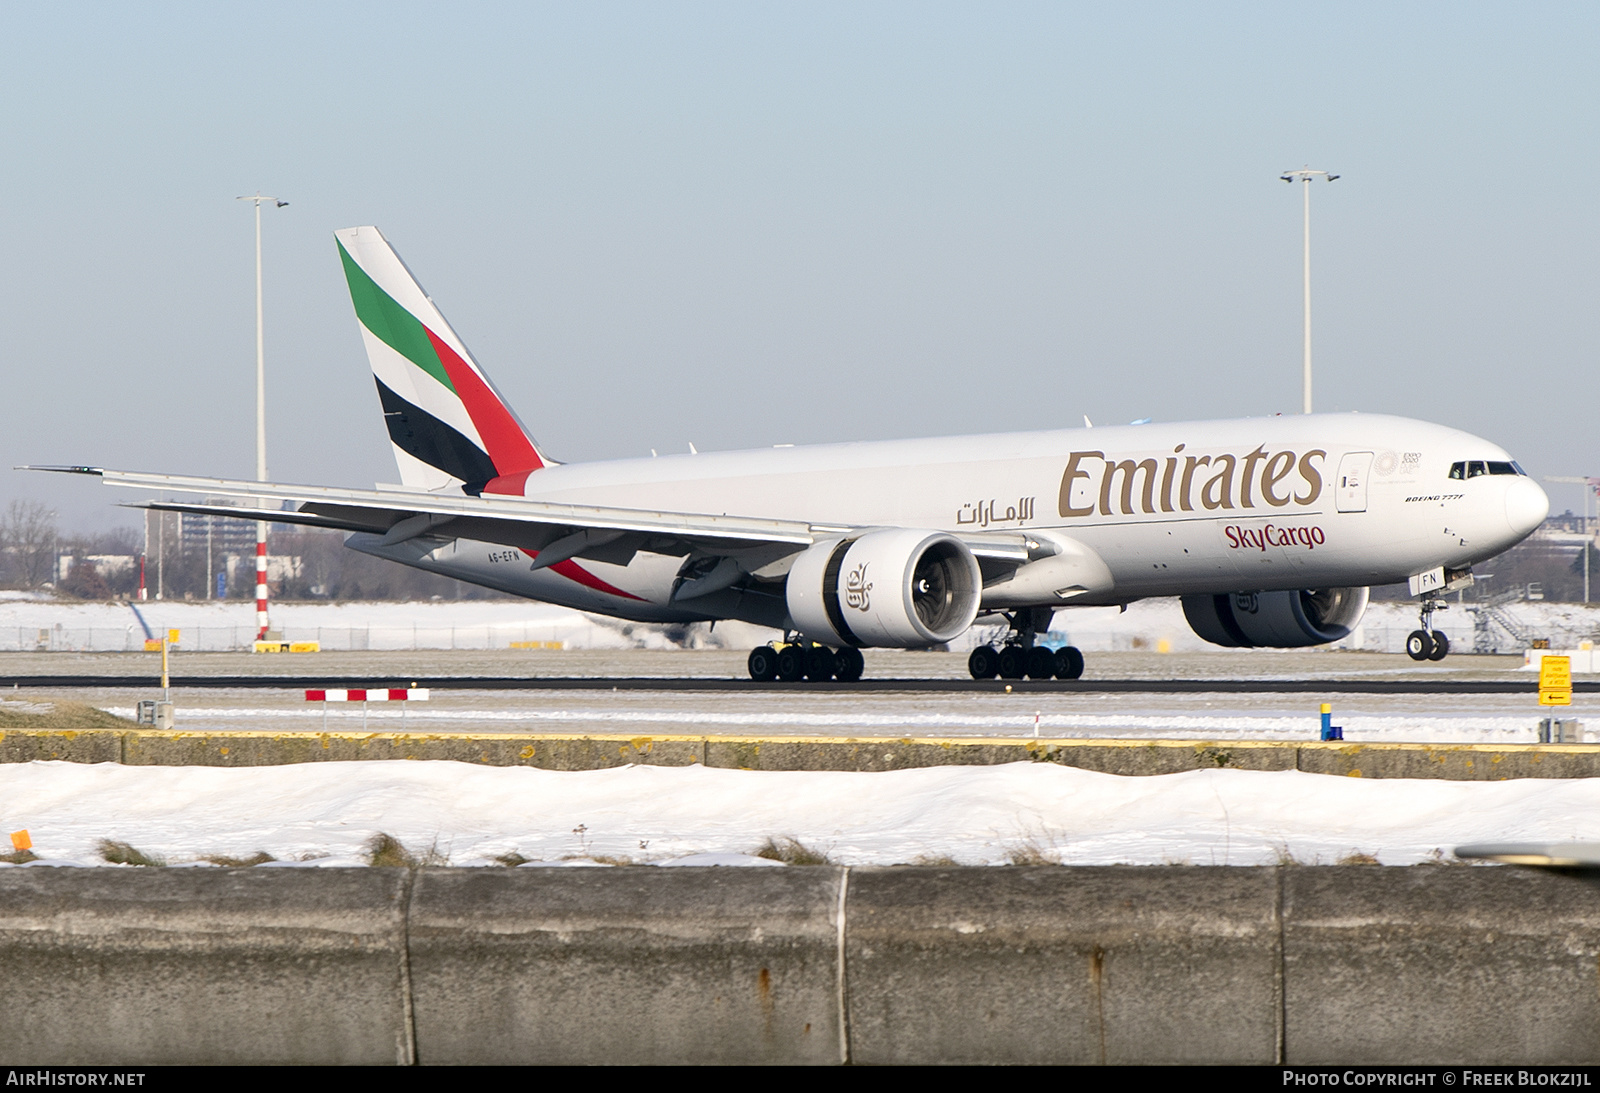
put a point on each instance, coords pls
(448, 423)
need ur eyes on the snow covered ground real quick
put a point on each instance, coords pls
(31, 622)
(325, 814)
(28, 622)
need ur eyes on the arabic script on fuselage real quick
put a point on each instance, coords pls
(985, 513)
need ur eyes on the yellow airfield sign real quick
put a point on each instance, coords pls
(1555, 681)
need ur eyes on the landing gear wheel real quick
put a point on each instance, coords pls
(1013, 662)
(848, 664)
(1041, 663)
(819, 664)
(1419, 646)
(791, 663)
(1441, 645)
(984, 663)
(763, 664)
(1069, 663)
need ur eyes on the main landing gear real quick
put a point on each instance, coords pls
(1018, 656)
(796, 660)
(1428, 643)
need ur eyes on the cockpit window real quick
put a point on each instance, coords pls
(1474, 467)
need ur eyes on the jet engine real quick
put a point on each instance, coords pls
(1279, 619)
(899, 587)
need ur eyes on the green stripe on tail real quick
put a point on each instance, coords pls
(392, 324)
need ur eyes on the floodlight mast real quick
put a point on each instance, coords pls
(1305, 175)
(261, 426)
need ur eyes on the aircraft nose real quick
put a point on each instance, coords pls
(1526, 506)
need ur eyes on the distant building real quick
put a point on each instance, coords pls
(1566, 521)
(241, 568)
(224, 534)
(107, 565)
(1563, 535)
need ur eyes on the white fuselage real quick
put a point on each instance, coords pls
(1256, 504)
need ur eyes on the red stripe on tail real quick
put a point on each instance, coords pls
(508, 445)
(511, 485)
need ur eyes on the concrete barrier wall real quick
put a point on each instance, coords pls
(103, 966)
(1439, 965)
(624, 965)
(1062, 965)
(1352, 964)
(1470, 762)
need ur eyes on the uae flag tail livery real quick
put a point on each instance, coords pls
(448, 424)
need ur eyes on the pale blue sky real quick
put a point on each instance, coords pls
(745, 224)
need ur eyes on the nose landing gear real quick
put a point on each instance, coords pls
(1428, 643)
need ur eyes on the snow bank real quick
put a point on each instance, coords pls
(325, 813)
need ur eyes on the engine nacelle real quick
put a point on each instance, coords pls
(1278, 619)
(898, 587)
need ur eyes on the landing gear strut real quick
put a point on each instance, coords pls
(1018, 656)
(1428, 643)
(796, 660)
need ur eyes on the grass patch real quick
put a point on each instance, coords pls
(792, 852)
(1031, 853)
(18, 857)
(511, 859)
(55, 714)
(121, 853)
(386, 850)
(260, 857)
(942, 860)
(1356, 857)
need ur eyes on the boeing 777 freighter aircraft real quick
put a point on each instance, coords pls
(1270, 529)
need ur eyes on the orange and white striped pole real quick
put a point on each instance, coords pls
(261, 580)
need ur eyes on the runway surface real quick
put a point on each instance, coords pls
(1263, 695)
(713, 671)
(867, 686)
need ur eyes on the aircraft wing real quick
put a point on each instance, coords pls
(555, 530)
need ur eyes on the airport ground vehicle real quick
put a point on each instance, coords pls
(1270, 529)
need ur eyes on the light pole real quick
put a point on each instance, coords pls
(1305, 175)
(261, 425)
(1590, 486)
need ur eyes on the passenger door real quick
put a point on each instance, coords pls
(1351, 489)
